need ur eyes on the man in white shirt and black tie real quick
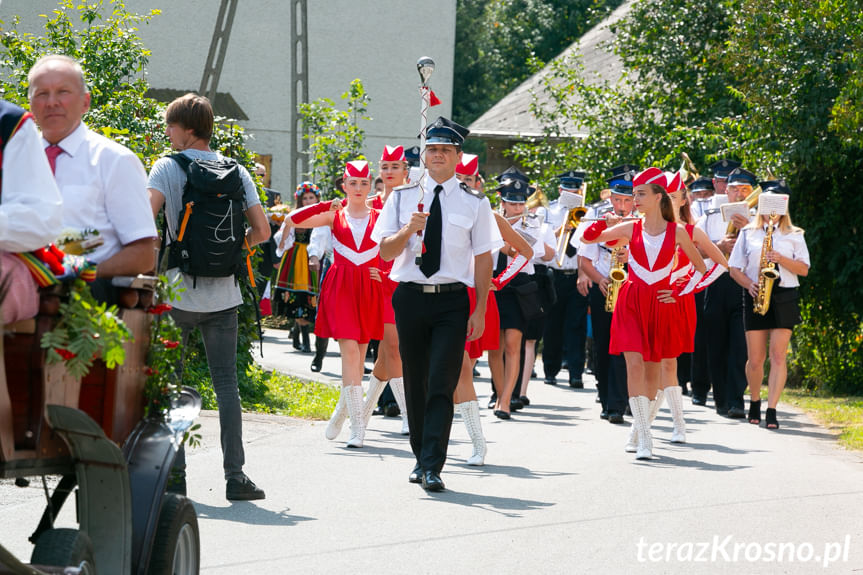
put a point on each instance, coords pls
(433, 318)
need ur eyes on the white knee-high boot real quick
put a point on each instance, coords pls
(337, 419)
(640, 407)
(397, 384)
(675, 404)
(469, 411)
(655, 404)
(376, 388)
(354, 402)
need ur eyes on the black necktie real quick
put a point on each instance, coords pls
(431, 258)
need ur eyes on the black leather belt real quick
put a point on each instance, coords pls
(434, 288)
(565, 272)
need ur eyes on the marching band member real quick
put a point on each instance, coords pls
(702, 195)
(640, 328)
(297, 283)
(388, 366)
(351, 309)
(726, 344)
(595, 261)
(566, 326)
(776, 243)
(721, 169)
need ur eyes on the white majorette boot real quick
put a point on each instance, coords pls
(675, 404)
(376, 388)
(469, 411)
(655, 404)
(354, 402)
(640, 407)
(337, 419)
(397, 384)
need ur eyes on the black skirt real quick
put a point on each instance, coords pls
(783, 313)
(508, 306)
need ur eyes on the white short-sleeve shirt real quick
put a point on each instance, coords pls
(468, 230)
(746, 255)
(104, 187)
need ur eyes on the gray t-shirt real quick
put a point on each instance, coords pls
(208, 294)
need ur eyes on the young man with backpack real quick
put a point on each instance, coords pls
(207, 200)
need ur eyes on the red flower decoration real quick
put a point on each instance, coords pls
(159, 309)
(148, 371)
(169, 344)
(64, 353)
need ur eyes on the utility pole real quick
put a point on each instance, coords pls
(218, 48)
(299, 85)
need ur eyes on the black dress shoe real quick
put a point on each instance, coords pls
(515, 404)
(736, 412)
(576, 384)
(492, 400)
(603, 414)
(476, 372)
(615, 417)
(416, 475)
(378, 410)
(391, 409)
(699, 401)
(317, 364)
(722, 411)
(501, 414)
(550, 381)
(432, 481)
(524, 400)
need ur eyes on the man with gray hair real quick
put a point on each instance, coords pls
(103, 184)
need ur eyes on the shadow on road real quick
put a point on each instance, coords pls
(663, 460)
(455, 467)
(506, 506)
(249, 513)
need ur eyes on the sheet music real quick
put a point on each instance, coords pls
(729, 209)
(771, 203)
(569, 200)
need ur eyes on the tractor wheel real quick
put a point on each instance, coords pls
(64, 548)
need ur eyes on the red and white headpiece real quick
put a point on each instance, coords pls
(393, 154)
(357, 169)
(651, 176)
(675, 182)
(469, 165)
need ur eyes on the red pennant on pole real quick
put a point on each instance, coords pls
(433, 101)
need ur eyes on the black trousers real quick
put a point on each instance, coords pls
(610, 370)
(726, 342)
(432, 329)
(565, 329)
(699, 372)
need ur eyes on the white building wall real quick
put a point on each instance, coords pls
(378, 41)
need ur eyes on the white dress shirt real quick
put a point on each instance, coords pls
(746, 255)
(321, 242)
(30, 203)
(104, 187)
(468, 229)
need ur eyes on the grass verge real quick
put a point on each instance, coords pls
(287, 395)
(843, 415)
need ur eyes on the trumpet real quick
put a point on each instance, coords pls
(573, 218)
(751, 201)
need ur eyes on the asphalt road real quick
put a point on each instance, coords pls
(558, 494)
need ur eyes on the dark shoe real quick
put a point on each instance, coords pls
(722, 411)
(501, 414)
(699, 401)
(243, 490)
(576, 384)
(24, 482)
(492, 400)
(366, 370)
(603, 414)
(615, 417)
(391, 409)
(736, 413)
(564, 365)
(432, 481)
(378, 410)
(524, 400)
(317, 362)
(515, 404)
(416, 475)
(684, 389)
(550, 381)
(476, 372)
(295, 337)
(627, 411)
(755, 412)
(770, 416)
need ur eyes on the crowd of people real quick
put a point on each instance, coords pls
(418, 261)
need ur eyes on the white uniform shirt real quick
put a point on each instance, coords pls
(30, 203)
(599, 255)
(699, 207)
(468, 230)
(712, 224)
(555, 217)
(545, 238)
(746, 255)
(104, 187)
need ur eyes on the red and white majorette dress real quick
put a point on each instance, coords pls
(351, 302)
(490, 338)
(683, 316)
(388, 285)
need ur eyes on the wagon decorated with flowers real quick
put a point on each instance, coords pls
(89, 399)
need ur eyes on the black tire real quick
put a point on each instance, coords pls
(176, 546)
(64, 548)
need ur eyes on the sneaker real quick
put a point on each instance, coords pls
(243, 490)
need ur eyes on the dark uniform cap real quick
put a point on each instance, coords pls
(723, 167)
(701, 184)
(515, 191)
(741, 176)
(444, 131)
(412, 155)
(621, 179)
(571, 180)
(512, 173)
(776, 187)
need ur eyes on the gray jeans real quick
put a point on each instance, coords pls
(219, 333)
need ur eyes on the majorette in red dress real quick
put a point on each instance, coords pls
(641, 323)
(351, 302)
(683, 317)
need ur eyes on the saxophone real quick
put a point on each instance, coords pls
(616, 276)
(768, 274)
